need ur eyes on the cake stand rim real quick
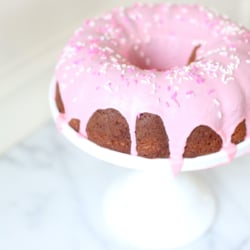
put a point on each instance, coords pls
(137, 162)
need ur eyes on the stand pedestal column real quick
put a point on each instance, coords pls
(154, 209)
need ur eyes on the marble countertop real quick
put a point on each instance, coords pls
(51, 199)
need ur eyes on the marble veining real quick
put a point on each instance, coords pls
(51, 195)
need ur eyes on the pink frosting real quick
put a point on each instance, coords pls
(135, 60)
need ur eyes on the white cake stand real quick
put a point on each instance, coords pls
(150, 208)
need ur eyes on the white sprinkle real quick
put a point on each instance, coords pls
(123, 40)
(223, 53)
(148, 61)
(228, 79)
(153, 88)
(184, 10)
(103, 69)
(216, 102)
(107, 17)
(90, 37)
(176, 87)
(108, 49)
(193, 21)
(75, 99)
(91, 23)
(219, 114)
(145, 81)
(80, 44)
(69, 49)
(210, 16)
(118, 56)
(88, 70)
(102, 38)
(78, 31)
(142, 54)
(63, 85)
(113, 59)
(156, 18)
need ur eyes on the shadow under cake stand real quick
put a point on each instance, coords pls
(150, 208)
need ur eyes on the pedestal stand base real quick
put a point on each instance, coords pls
(153, 209)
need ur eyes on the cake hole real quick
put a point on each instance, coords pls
(193, 55)
(58, 99)
(202, 141)
(151, 137)
(162, 55)
(109, 129)
(75, 124)
(240, 133)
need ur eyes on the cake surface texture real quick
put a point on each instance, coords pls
(158, 81)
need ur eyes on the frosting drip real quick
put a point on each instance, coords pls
(135, 60)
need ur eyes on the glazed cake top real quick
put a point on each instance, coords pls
(135, 60)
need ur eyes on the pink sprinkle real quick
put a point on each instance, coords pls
(190, 93)
(199, 79)
(93, 50)
(174, 97)
(211, 91)
(78, 48)
(90, 23)
(87, 22)
(77, 62)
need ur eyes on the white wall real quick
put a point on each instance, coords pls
(32, 34)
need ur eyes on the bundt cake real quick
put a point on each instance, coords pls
(157, 81)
